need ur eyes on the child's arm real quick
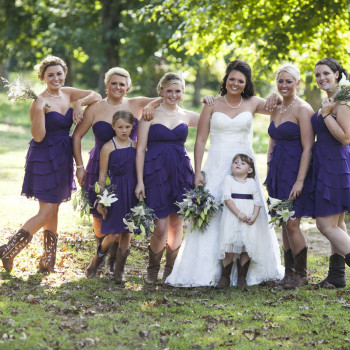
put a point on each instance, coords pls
(257, 203)
(241, 216)
(251, 220)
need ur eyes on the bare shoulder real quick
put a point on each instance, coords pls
(342, 109)
(304, 107)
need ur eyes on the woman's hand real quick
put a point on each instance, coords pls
(272, 102)
(102, 210)
(208, 100)
(199, 179)
(327, 106)
(40, 103)
(296, 189)
(148, 112)
(77, 112)
(80, 174)
(140, 189)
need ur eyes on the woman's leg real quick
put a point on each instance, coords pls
(122, 254)
(288, 258)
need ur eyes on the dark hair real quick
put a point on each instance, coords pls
(244, 68)
(334, 65)
(248, 160)
(123, 114)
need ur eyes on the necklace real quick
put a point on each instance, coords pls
(114, 106)
(56, 96)
(233, 107)
(120, 146)
(284, 109)
(238, 180)
(173, 111)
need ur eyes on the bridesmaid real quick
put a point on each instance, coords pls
(331, 170)
(164, 171)
(289, 155)
(49, 167)
(99, 118)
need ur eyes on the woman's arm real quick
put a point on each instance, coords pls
(269, 150)
(201, 140)
(260, 105)
(37, 118)
(142, 138)
(148, 109)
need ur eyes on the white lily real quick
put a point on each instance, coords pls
(130, 226)
(139, 210)
(285, 214)
(107, 199)
(343, 81)
(274, 202)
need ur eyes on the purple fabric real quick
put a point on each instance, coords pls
(103, 132)
(121, 169)
(49, 164)
(331, 171)
(241, 196)
(168, 173)
(284, 167)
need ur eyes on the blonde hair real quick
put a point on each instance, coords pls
(118, 71)
(169, 79)
(50, 61)
(291, 69)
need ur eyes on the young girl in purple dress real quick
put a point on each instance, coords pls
(117, 160)
(331, 170)
(49, 167)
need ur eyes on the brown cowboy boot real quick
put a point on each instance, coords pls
(120, 265)
(242, 274)
(99, 241)
(225, 276)
(336, 273)
(288, 267)
(112, 256)
(95, 263)
(300, 276)
(170, 259)
(153, 266)
(48, 260)
(16, 243)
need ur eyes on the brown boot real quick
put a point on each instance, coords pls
(99, 241)
(225, 276)
(242, 274)
(300, 276)
(48, 260)
(95, 263)
(288, 267)
(120, 265)
(112, 256)
(336, 273)
(16, 243)
(153, 266)
(170, 259)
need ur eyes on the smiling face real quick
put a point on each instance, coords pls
(116, 86)
(172, 94)
(122, 129)
(286, 84)
(326, 79)
(54, 77)
(235, 83)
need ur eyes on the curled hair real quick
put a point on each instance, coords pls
(48, 62)
(290, 69)
(124, 115)
(248, 160)
(118, 71)
(334, 65)
(169, 79)
(244, 68)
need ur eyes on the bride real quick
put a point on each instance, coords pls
(229, 123)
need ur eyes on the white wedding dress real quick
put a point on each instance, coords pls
(197, 263)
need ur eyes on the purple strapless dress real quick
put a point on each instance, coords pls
(103, 132)
(49, 166)
(284, 167)
(168, 173)
(331, 171)
(121, 169)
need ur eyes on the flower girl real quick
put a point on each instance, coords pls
(243, 232)
(117, 159)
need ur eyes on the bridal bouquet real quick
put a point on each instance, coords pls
(281, 210)
(342, 91)
(107, 197)
(81, 202)
(20, 90)
(140, 219)
(198, 207)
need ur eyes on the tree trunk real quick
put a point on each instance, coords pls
(197, 89)
(312, 93)
(4, 72)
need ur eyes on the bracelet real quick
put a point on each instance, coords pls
(80, 166)
(82, 101)
(239, 214)
(326, 116)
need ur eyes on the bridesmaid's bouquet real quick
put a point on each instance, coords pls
(198, 207)
(342, 91)
(281, 210)
(107, 197)
(81, 202)
(140, 219)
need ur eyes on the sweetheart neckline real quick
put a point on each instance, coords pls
(169, 128)
(288, 121)
(234, 116)
(59, 112)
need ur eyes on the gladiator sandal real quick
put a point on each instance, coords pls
(336, 273)
(300, 276)
(288, 267)
(120, 266)
(112, 256)
(16, 243)
(170, 259)
(225, 276)
(242, 275)
(48, 260)
(95, 263)
(153, 266)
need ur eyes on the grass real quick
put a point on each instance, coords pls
(67, 311)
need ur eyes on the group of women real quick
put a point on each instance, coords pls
(316, 175)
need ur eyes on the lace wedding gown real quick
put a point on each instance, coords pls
(198, 263)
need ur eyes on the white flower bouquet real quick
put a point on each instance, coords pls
(281, 210)
(107, 197)
(198, 207)
(342, 91)
(140, 219)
